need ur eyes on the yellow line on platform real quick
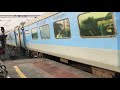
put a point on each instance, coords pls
(19, 72)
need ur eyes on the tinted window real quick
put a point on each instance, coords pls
(96, 24)
(62, 29)
(45, 32)
(34, 33)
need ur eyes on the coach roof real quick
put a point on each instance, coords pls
(46, 15)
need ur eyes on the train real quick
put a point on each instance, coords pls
(90, 38)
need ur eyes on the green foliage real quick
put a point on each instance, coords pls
(61, 30)
(97, 26)
(57, 28)
(35, 35)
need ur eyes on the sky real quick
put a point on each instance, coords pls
(10, 22)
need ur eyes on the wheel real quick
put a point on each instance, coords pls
(35, 55)
(40, 55)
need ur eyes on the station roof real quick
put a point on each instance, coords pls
(9, 20)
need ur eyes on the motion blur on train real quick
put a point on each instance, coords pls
(90, 38)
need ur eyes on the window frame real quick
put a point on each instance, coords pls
(32, 34)
(107, 36)
(69, 27)
(48, 28)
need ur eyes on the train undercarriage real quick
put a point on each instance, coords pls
(88, 68)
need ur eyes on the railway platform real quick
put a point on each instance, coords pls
(43, 68)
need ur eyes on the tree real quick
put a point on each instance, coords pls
(89, 27)
(57, 28)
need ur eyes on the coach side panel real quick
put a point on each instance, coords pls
(101, 51)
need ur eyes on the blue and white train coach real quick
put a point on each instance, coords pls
(90, 38)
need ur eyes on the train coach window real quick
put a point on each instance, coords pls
(27, 32)
(96, 24)
(45, 32)
(34, 33)
(62, 29)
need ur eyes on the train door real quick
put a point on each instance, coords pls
(15, 39)
(24, 44)
(22, 37)
(18, 38)
(26, 34)
(16, 33)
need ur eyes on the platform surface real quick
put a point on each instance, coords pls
(43, 68)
